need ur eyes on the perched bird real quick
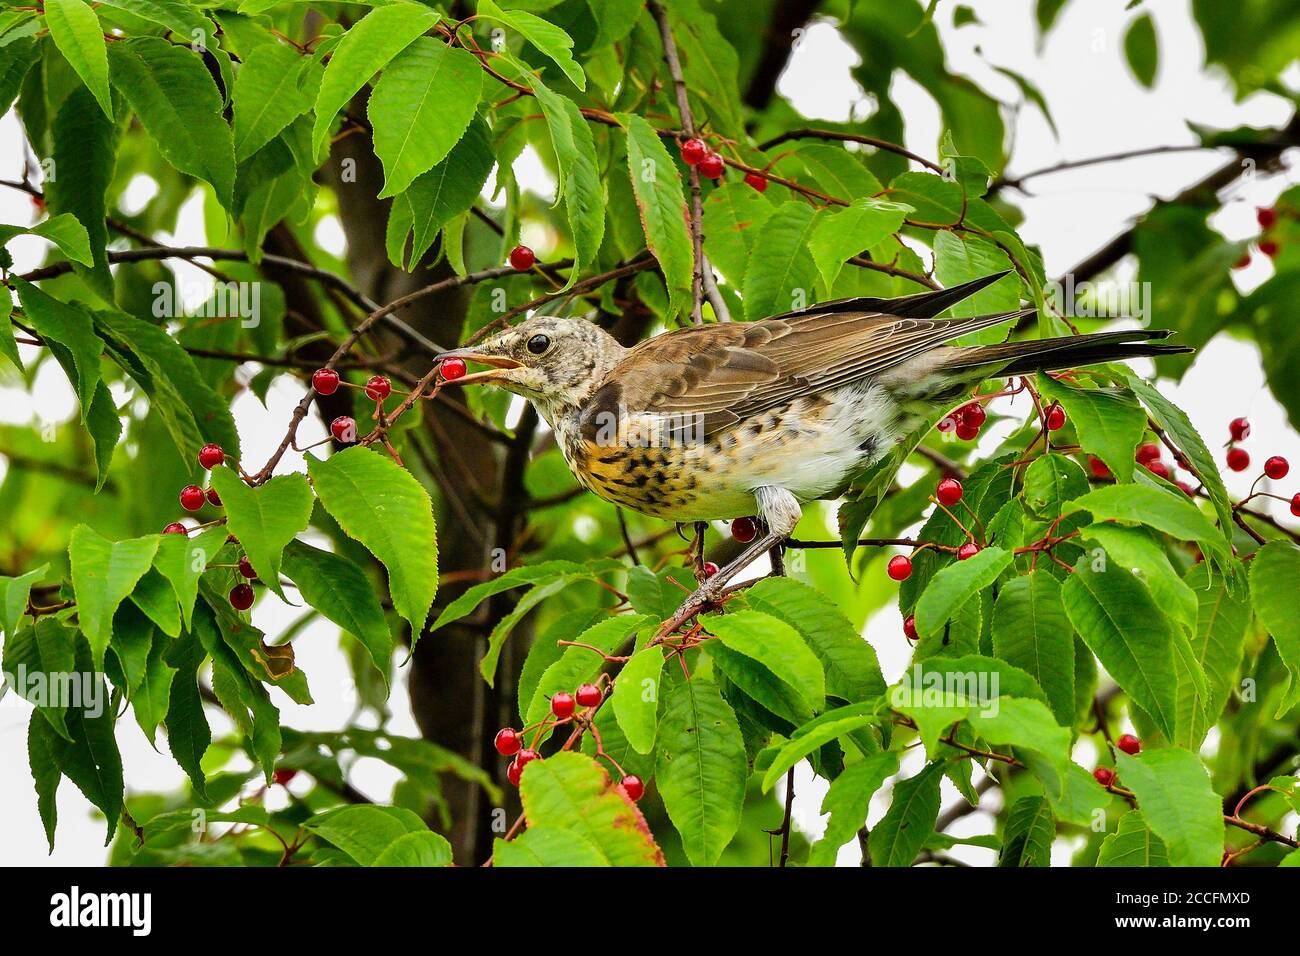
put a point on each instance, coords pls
(720, 421)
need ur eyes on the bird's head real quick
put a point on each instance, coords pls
(552, 362)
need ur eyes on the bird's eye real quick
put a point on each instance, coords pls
(538, 344)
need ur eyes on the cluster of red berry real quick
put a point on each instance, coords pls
(948, 493)
(192, 499)
(564, 706)
(1127, 743)
(1276, 467)
(965, 421)
(1267, 218)
(696, 152)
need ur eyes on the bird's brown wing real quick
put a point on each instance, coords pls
(721, 374)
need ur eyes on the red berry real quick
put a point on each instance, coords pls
(712, 166)
(174, 528)
(379, 388)
(966, 431)
(522, 258)
(214, 499)
(1147, 453)
(325, 381)
(899, 567)
(1269, 247)
(513, 771)
(948, 422)
(967, 550)
(1243, 262)
(694, 150)
(191, 497)
(283, 775)
(1239, 429)
(246, 568)
(909, 627)
(744, 530)
(1238, 459)
(949, 491)
(1188, 490)
(525, 757)
(755, 181)
(1277, 467)
(588, 695)
(633, 787)
(1104, 776)
(1055, 418)
(241, 597)
(508, 742)
(452, 369)
(710, 569)
(1295, 506)
(1098, 467)
(562, 705)
(344, 428)
(1159, 468)
(974, 413)
(211, 455)
(1129, 744)
(1266, 217)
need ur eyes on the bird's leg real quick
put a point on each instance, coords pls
(697, 549)
(780, 512)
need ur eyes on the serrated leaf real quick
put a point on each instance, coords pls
(1031, 630)
(701, 771)
(783, 278)
(847, 801)
(365, 832)
(547, 37)
(365, 49)
(77, 33)
(844, 233)
(1109, 421)
(1026, 724)
(777, 646)
(1132, 844)
(1219, 639)
(1274, 584)
(956, 584)
(103, 573)
(424, 848)
(710, 65)
(1030, 830)
(527, 574)
(547, 846)
(962, 257)
(71, 327)
(1050, 481)
(264, 519)
(179, 105)
(899, 836)
(578, 665)
(341, 591)
(421, 107)
(636, 697)
(269, 94)
(657, 186)
(188, 733)
(811, 737)
(85, 152)
(45, 773)
(182, 560)
(1141, 49)
(381, 504)
(1178, 803)
(1138, 550)
(36, 660)
(657, 594)
(733, 214)
(176, 15)
(1164, 510)
(14, 593)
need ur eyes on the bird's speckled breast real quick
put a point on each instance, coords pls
(810, 447)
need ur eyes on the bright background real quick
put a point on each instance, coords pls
(1099, 109)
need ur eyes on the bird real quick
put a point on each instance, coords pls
(733, 419)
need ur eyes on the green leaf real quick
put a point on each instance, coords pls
(176, 15)
(851, 670)
(847, 232)
(45, 773)
(182, 561)
(543, 573)
(85, 151)
(341, 591)
(1178, 803)
(962, 257)
(424, 848)
(636, 698)
(19, 58)
(64, 230)
(847, 801)
(701, 771)
(733, 214)
(657, 186)
(784, 277)
(270, 93)
(36, 660)
(710, 65)
(838, 171)
(1050, 481)
(264, 519)
(1031, 631)
(956, 584)
(1109, 421)
(421, 107)
(1274, 584)
(899, 836)
(657, 594)
(1027, 724)
(1130, 634)
(577, 665)
(777, 646)
(151, 698)
(1138, 550)
(547, 846)
(1132, 844)
(438, 196)
(1141, 49)
(810, 738)
(179, 105)
(1220, 635)
(1030, 831)
(70, 326)
(105, 431)
(365, 49)
(77, 33)
(381, 504)
(1164, 510)
(366, 832)
(155, 596)
(549, 39)
(571, 792)
(103, 573)
(14, 593)
(188, 734)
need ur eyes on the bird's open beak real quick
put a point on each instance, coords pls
(497, 363)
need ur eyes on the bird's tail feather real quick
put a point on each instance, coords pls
(1067, 351)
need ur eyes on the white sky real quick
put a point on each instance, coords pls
(1099, 109)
